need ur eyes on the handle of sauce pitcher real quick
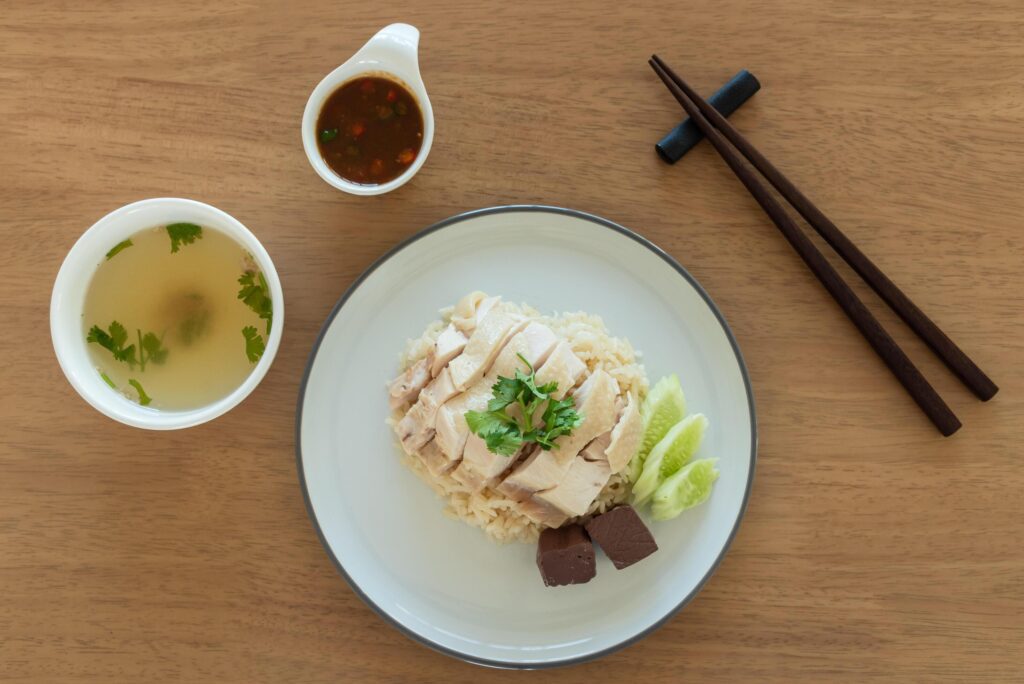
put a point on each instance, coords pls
(401, 40)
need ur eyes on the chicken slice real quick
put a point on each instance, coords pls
(534, 343)
(596, 450)
(406, 387)
(540, 470)
(472, 309)
(483, 347)
(595, 401)
(437, 463)
(625, 437)
(450, 427)
(571, 497)
(450, 344)
(480, 467)
(564, 367)
(416, 428)
(484, 308)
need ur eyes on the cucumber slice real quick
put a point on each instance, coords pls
(674, 450)
(664, 406)
(689, 487)
(684, 445)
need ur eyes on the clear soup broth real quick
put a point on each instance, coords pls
(177, 316)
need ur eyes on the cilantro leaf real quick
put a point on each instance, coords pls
(255, 293)
(530, 381)
(504, 442)
(328, 134)
(154, 347)
(484, 422)
(118, 334)
(505, 392)
(106, 379)
(549, 389)
(560, 418)
(254, 345)
(183, 234)
(120, 246)
(112, 339)
(150, 349)
(144, 398)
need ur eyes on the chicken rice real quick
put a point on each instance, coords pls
(451, 369)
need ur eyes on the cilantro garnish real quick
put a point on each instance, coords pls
(113, 339)
(122, 245)
(254, 345)
(150, 347)
(183, 234)
(144, 398)
(256, 294)
(153, 350)
(504, 433)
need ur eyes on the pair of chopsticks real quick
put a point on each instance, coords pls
(718, 131)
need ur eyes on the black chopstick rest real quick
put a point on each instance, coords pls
(727, 100)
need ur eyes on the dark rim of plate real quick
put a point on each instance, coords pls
(508, 664)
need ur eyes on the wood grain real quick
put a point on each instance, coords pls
(872, 550)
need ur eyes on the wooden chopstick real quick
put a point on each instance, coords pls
(898, 362)
(947, 350)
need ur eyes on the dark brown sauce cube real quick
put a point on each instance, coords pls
(622, 536)
(565, 556)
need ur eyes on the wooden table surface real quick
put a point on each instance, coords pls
(872, 549)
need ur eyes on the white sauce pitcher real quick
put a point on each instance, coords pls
(391, 53)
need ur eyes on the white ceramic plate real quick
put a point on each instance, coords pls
(441, 581)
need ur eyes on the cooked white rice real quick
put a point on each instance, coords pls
(490, 510)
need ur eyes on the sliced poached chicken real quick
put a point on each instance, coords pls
(625, 437)
(471, 309)
(542, 470)
(483, 346)
(563, 367)
(534, 343)
(483, 341)
(437, 463)
(596, 450)
(406, 387)
(450, 344)
(572, 496)
(416, 427)
(480, 467)
(607, 455)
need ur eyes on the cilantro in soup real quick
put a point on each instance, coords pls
(370, 130)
